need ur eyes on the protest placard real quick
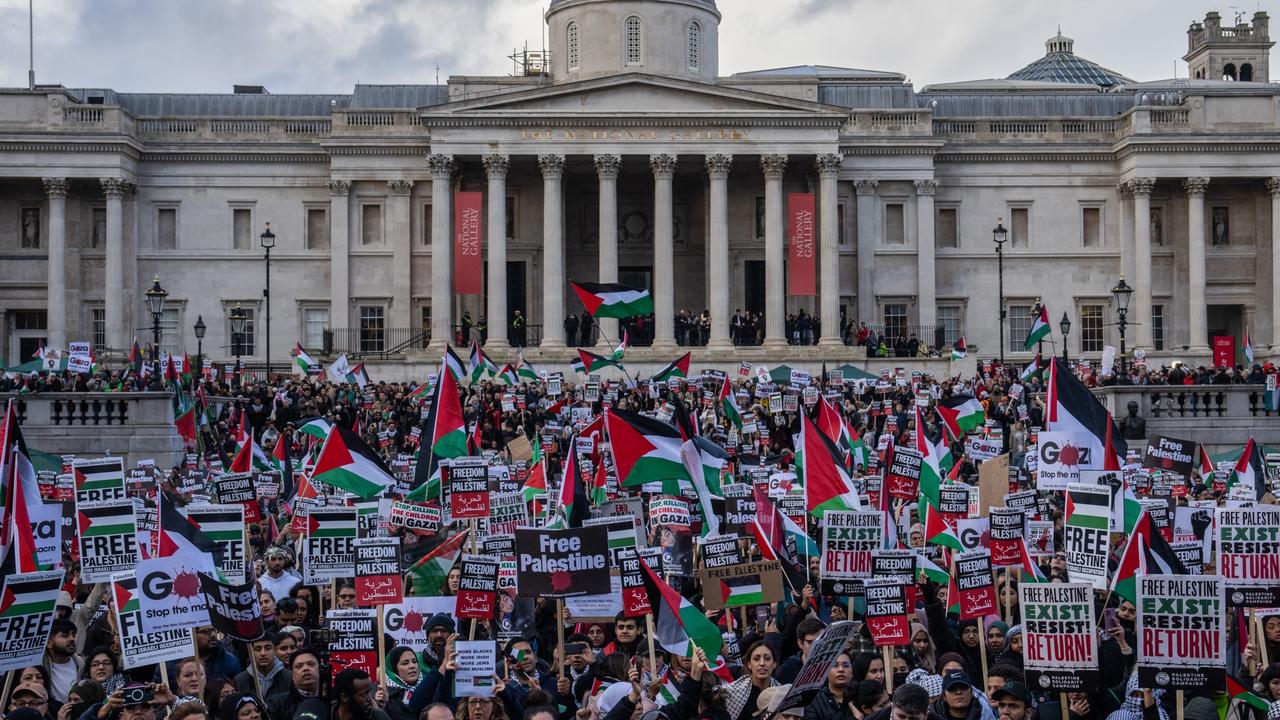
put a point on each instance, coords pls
(993, 484)
(822, 656)
(1006, 534)
(477, 587)
(562, 563)
(234, 488)
(1060, 644)
(465, 482)
(953, 501)
(848, 539)
(1182, 631)
(507, 511)
(1059, 457)
(1191, 555)
(603, 607)
(975, 583)
(476, 667)
(1170, 455)
(1085, 534)
(27, 617)
(108, 538)
(355, 643)
(415, 516)
(720, 551)
(233, 609)
(635, 599)
(1040, 538)
(741, 585)
(169, 593)
(99, 480)
(982, 449)
(328, 552)
(886, 613)
(972, 532)
(903, 479)
(739, 509)
(405, 622)
(622, 535)
(377, 571)
(46, 527)
(137, 647)
(224, 524)
(1249, 555)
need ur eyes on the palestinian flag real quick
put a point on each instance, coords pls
(1206, 463)
(834, 427)
(348, 463)
(680, 626)
(931, 471)
(953, 596)
(332, 523)
(428, 574)
(741, 592)
(936, 529)
(827, 484)
(99, 474)
(611, 300)
(221, 524)
(1030, 570)
(535, 485)
(1072, 408)
(1031, 370)
(508, 375)
(779, 538)
(1248, 347)
(1250, 470)
(961, 414)
(526, 371)
(249, 455)
(622, 535)
(677, 369)
(125, 592)
(454, 364)
(621, 351)
(1040, 329)
(30, 594)
(959, 349)
(447, 439)
(106, 518)
(1237, 691)
(927, 569)
(1147, 553)
(729, 404)
(571, 501)
(588, 362)
(316, 427)
(302, 359)
(135, 358)
(705, 462)
(21, 491)
(480, 363)
(180, 535)
(185, 423)
(645, 450)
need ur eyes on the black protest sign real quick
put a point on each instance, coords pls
(1005, 532)
(903, 478)
(233, 609)
(355, 643)
(739, 508)
(1060, 644)
(477, 587)
(1182, 631)
(812, 677)
(635, 598)
(503, 546)
(976, 584)
(234, 488)
(1170, 455)
(953, 501)
(1191, 555)
(562, 563)
(377, 565)
(886, 612)
(1027, 500)
(720, 551)
(466, 484)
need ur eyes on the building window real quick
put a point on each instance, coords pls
(424, 324)
(695, 44)
(894, 227)
(1020, 320)
(170, 331)
(1221, 227)
(760, 215)
(634, 41)
(1157, 227)
(245, 341)
(1092, 328)
(317, 228)
(98, 228)
(950, 320)
(426, 225)
(895, 321)
(371, 224)
(373, 329)
(29, 228)
(167, 228)
(1020, 227)
(241, 228)
(571, 43)
(843, 237)
(314, 322)
(98, 323)
(944, 229)
(1091, 227)
(1157, 327)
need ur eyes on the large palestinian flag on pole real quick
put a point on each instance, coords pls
(1072, 408)
(827, 483)
(447, 438)
(429, 573)
(20, 492)
(1040, 329)
(1250, 470)
(930, 463)
(677, 369)
(645, 450)
(679, 625)
(729, 404)
(347, 462)
(611, 300)
(961, 414)
(588, 362)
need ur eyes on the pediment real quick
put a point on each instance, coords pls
(634, 94)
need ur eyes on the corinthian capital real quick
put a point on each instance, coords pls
(926, 187)
(1196, 186)
(113, 187)
(400, 187)
(828, 164)
(55, 187)
(608, 166)
(719, 165)
(552, 166)
(496, 166)
(663, 165)
(441, 165)
(1142, 185)
(773, 165)
(866, 187)
(339, 188)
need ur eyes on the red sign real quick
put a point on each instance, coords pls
(802, 264)
(886, 612)
(1224, 351)
(468, 225)
(477, 588)
(976, 584)
(468, 483)
(377, 571)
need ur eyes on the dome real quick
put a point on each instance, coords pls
(597, 38)
(1060, 64)
(708, 3)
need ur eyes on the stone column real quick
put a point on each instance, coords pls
(718, 167)
(1273, 187)
(775, 302)
(113, 296)
(398, 234)
(866, 190)
(1142, 260)
(1124, 196)
(496, 167)
(607, 168)
(1197, 309)
(829, 248)
(926, 292)
(56, 307)
(552, 251)
(441, 250)
(339, 258)
(664, 301)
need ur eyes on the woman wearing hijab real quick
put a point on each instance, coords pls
(405, 676)
(241, 707)
(1012, 653)
(995, 637)
(923, 651)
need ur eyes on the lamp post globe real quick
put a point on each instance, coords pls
(1065, 326)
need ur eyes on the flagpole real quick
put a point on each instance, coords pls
(887, 658)
(382, 649)
(636, 378)
(982, 643)
(8, 682)
(653, 655)
(560, 635)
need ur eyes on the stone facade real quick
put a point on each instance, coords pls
(655, 173)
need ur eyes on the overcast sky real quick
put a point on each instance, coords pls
(326, 46)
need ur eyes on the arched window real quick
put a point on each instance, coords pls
(571, 45)
(1229, 71)
(633, 44)
(695, 45)
(1246, 73)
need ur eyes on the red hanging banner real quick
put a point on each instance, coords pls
(804, 251)
(1224, 351)
(468, 226)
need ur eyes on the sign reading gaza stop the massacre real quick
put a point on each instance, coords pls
(848, 539)
(563, 563)
(1249, 555)
(1059, 643)
(1182, 631)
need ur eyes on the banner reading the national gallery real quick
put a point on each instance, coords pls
(802, 263)
(468, 227)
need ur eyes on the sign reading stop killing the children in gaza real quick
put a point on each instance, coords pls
(1059, 644)
(1182, 631)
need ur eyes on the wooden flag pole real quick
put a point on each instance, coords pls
(1181, 704)
(982, 643)
(1261, 632)
(1008, 611)
(382, 651)
(887, 658)
(653, 655)
(8, 685)
(1066, 709)
(560, 634)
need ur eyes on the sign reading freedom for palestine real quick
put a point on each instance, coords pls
(563, 563)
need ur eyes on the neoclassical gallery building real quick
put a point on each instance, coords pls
(622, 154)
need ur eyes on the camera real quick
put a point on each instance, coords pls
(142, 695)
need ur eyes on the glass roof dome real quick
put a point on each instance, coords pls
(1061, 64)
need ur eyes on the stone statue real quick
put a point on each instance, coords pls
(1157, 229)
(1221, 229)
(30, 227)
(1133, 427)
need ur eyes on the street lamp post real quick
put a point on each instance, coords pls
(200, 329)
(268, 240)
(1121, 292)
(1065, 326)
(1000, 235)
(238, 318)
(155, 303)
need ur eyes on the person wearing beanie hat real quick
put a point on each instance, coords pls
(1012, 653)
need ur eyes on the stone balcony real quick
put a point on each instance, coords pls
(136, 426)
(1220, 417)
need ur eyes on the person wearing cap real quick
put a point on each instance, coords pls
(32, 696)
(277, 580)
(769, 701)
(1013, 701)
(958, 700)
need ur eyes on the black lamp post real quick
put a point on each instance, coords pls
(238, 319)
(268, 240)
(155, 303)
(200, 329)
(1121, 292)
(1065, 326)
(1000, 235)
